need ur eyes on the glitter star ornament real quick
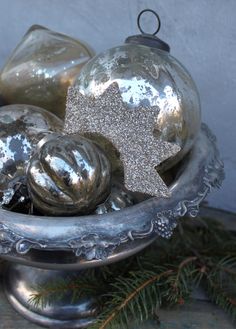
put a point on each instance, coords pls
(129, 130)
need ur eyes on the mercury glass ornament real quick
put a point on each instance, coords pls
(68, 175)
(41, 68)
(118, 199)
(148, 75)
(21, 128)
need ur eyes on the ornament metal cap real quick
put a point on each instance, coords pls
(147, 39)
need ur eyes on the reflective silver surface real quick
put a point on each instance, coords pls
(21, 282)
(96, 240)
(87, 241)
(118, 199)
(149, 76)
(41, 68)
(68, 175)
(21, 128)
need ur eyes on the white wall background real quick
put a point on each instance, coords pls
(202, 35)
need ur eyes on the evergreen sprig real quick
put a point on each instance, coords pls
(221, 284)
(200, 252)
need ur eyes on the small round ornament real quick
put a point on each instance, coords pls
(41, 68)
(68, 175)
(118, 199)
(147, 75)
(19, 201)
(21, 128)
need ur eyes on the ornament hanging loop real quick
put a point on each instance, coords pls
(157, 17)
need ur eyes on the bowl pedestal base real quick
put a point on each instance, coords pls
(20, 282)
(97, 240)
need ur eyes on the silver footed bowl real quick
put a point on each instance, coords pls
(94, 240)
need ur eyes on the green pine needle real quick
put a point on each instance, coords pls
(201, 252)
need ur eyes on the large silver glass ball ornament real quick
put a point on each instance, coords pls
(68, 175)
(151, 77)
(41, 68)
(21, 128)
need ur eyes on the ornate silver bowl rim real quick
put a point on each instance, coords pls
(84, 241)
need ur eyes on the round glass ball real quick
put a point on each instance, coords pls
(68, 175)
(41, 68)
(21, 129)
(149, 77)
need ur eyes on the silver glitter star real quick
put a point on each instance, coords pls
(130, 131)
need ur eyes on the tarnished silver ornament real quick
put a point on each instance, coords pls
(21, 128)
(118, 199)
(147, 75)
(68, 175)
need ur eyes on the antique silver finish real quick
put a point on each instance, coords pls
(95, 239)
(41, 68)
(118, 199)
(21, 282)
(68, 175)
(21, 128)
(149, 77)
(58, 244)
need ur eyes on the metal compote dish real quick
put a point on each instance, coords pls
(40, 248)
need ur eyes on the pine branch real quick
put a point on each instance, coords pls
(135, 295)
(170, 284)
(164, 274)
(221, 297)
(220, 284)
(182, 265)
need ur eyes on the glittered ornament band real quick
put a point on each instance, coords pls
(129, 130)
